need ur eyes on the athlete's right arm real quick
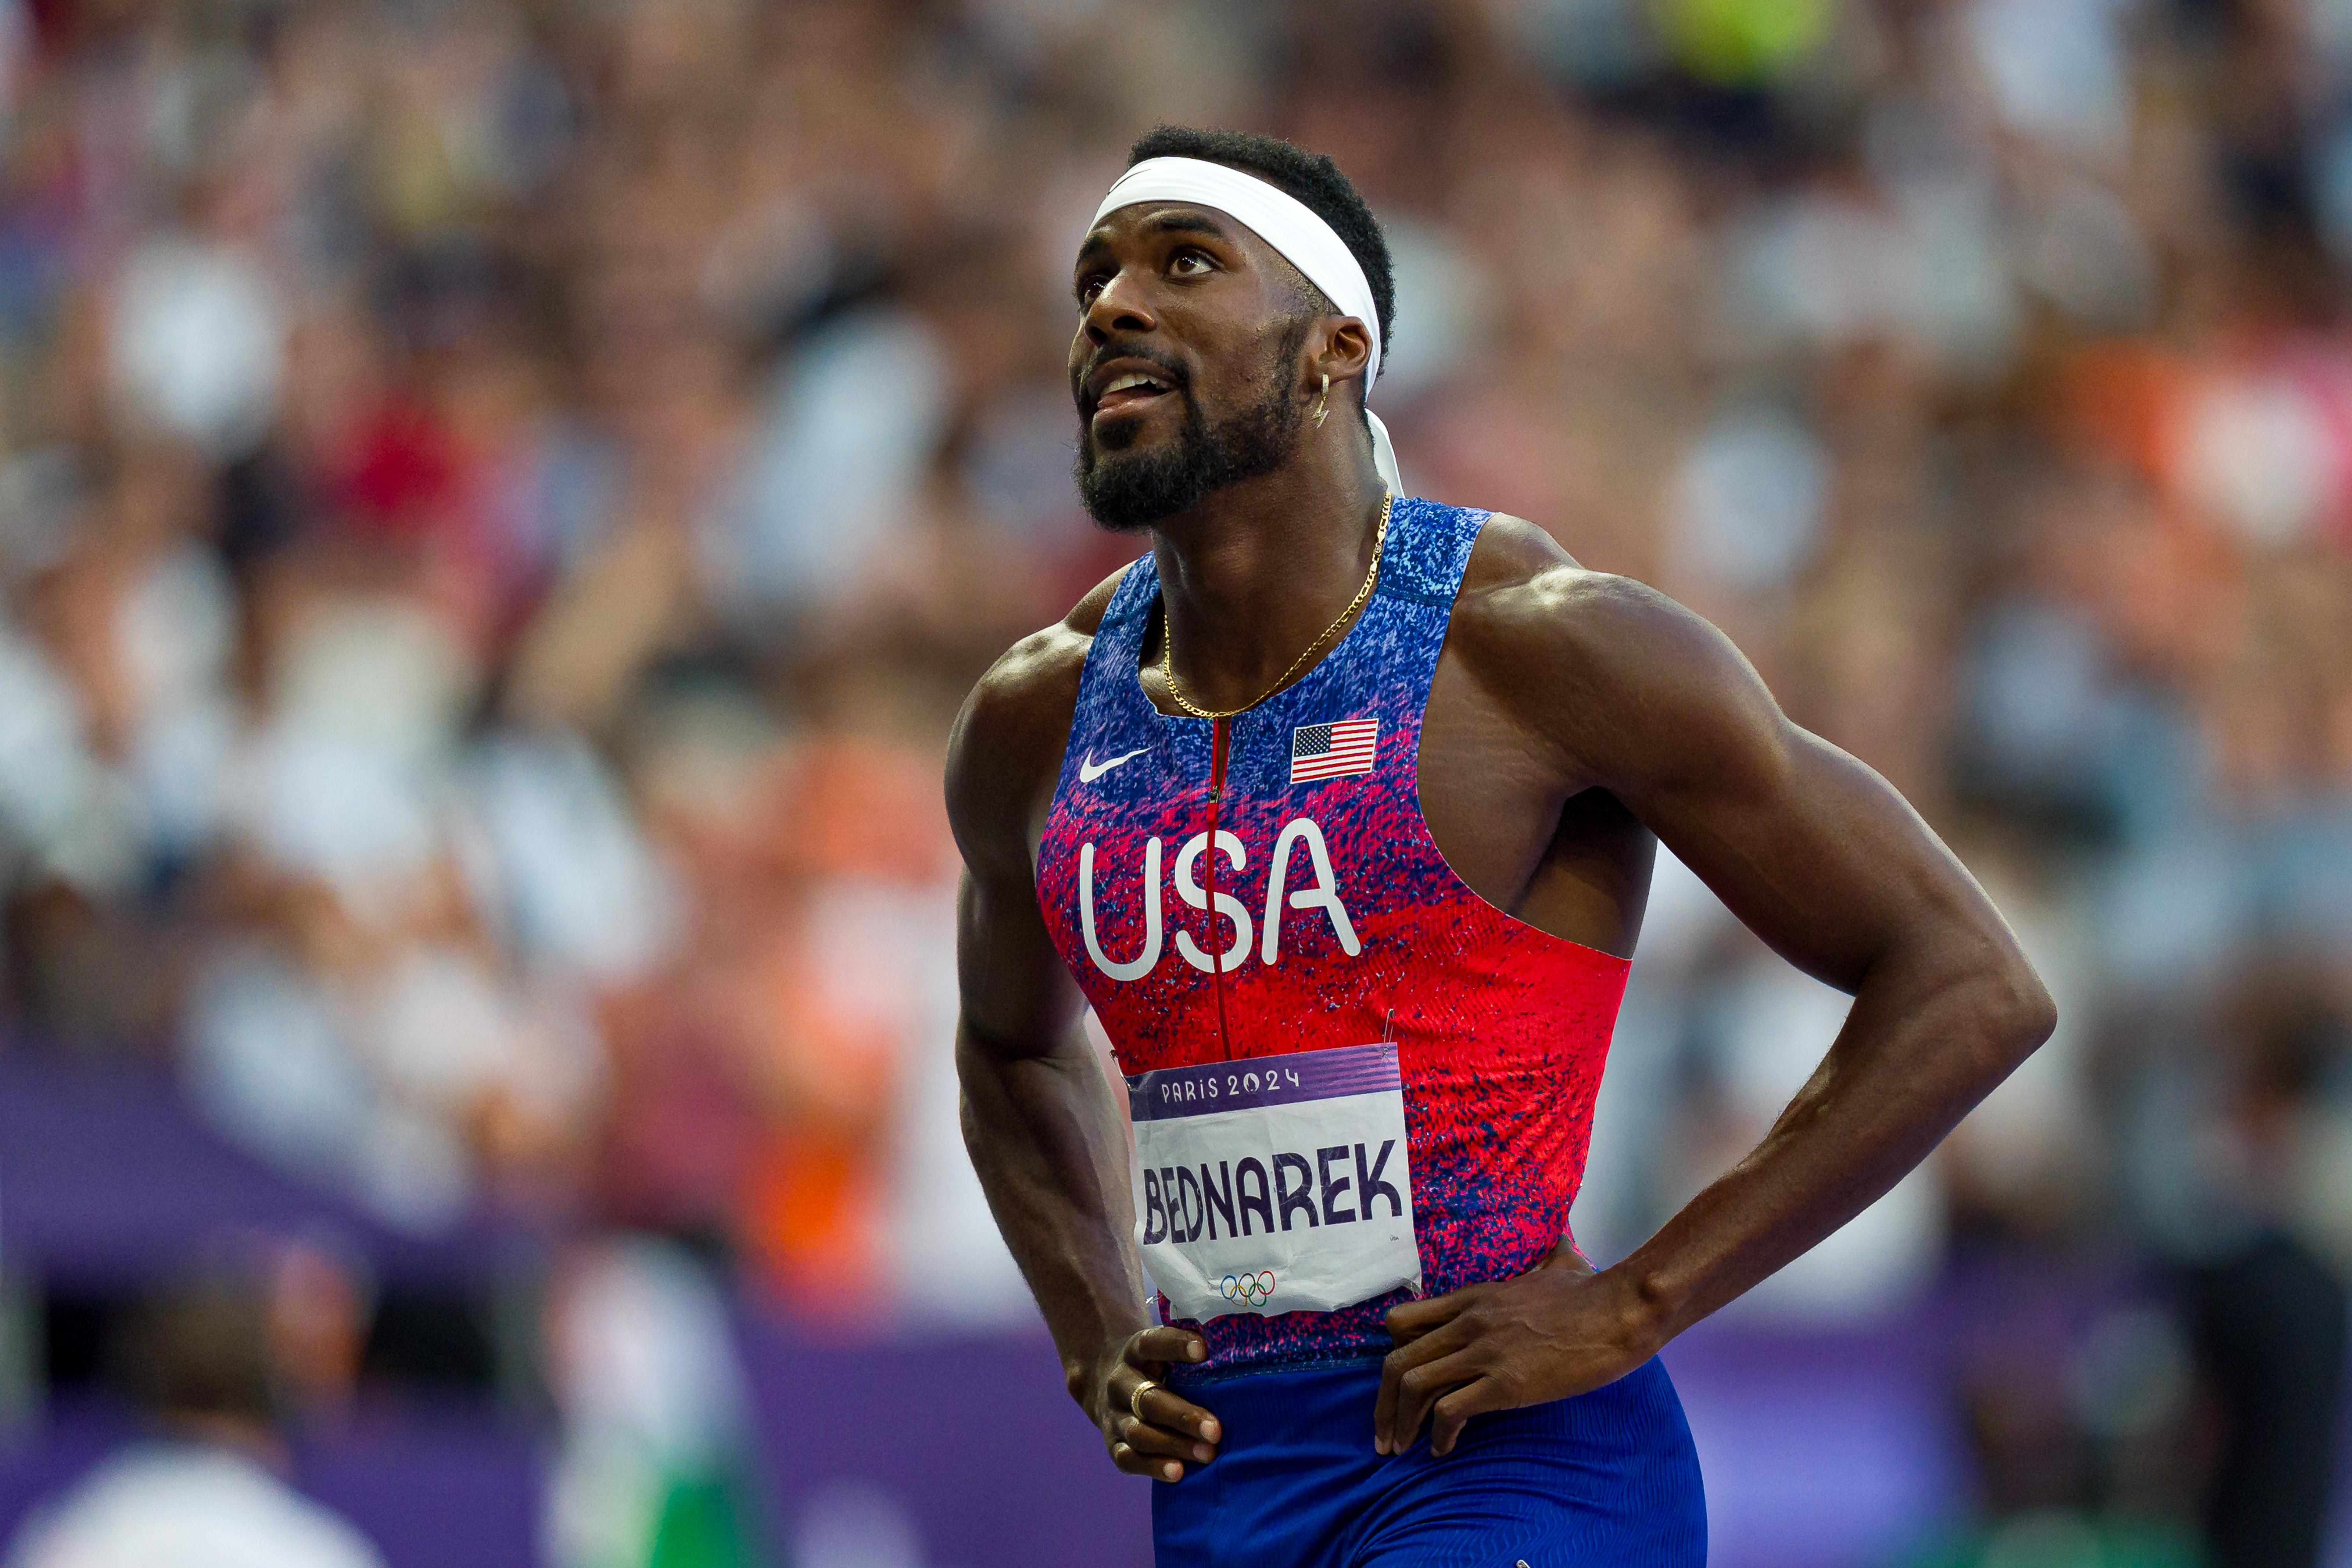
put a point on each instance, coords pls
(1038, 1117)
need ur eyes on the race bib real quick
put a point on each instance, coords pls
(1277, 1185)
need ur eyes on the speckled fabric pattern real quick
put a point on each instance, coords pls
(1367, 934)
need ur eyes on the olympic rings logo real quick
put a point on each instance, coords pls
(1249, 1290)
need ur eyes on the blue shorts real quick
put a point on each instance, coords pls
(1607, 1478)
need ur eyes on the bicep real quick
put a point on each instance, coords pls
(1017, 998)
(1004, 756)
(1808, 846)
(1810, 849)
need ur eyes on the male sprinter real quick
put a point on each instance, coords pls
(1340, 807)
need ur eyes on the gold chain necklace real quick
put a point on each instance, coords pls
(1168, 635)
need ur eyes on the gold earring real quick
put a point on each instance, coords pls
(1321, 399)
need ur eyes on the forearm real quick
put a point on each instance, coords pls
(1045, 1138)
(1922, 1045)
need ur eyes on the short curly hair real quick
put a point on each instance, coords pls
(1312, 177)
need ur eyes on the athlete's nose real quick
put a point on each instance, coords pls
(1118, 307)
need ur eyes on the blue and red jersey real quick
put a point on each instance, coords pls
(1326, 916)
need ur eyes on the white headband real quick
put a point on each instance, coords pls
(1288, 225)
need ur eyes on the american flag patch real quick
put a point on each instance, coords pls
(1333, 750)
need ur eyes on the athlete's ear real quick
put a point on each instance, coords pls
(1341, 348)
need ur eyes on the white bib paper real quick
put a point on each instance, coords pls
(1277, 1184)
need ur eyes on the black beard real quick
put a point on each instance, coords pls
(1127, 492)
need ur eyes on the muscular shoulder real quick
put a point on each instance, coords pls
(1006, 748)
(1608, 675)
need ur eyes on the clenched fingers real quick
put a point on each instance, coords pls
(1452, 1412)
(1166, 1454)
(1177, 1434)
(1162, 1408)
(1418, 1389)
(1158, 1467)
(1152, 1430)
(1398, 1409)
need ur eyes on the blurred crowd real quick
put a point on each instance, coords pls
(499, 503)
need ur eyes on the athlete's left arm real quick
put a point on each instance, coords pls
(1617, 687)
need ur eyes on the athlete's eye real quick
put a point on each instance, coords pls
(1190, 263)
(1088, 287)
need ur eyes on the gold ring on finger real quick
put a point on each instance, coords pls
(1135, 1400)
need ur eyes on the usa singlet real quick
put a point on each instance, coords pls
(1339, 925)
(1351, 1077)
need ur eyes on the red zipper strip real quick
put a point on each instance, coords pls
(1216, 945)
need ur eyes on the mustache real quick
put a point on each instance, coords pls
(1177, 379)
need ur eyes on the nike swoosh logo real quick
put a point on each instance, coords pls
(1090, 770)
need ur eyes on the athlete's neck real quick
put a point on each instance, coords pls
(1252, 572)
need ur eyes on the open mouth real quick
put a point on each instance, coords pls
(1124, 394)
